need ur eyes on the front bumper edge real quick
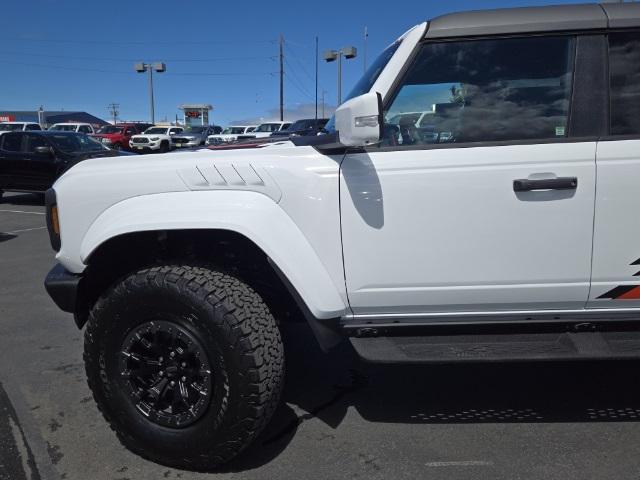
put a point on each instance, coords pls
(62, 286)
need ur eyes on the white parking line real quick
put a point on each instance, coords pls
(22, 211)
(463, 463)
(25, 230)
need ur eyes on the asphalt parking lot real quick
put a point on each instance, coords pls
(340, 418)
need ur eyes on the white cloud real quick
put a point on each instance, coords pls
(291, 114)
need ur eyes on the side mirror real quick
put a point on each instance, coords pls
(359, 121)
(44, 150)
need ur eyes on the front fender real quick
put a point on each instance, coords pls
(251, 214)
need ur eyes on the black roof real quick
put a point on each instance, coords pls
(588, 16)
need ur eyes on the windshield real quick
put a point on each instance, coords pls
(76, 143)
(10, 127)
(233, 130)
(110, 129)
(195, 129)
(368, 79)
(268, 127)
(156, 130)
(63, 128)
(306, 124)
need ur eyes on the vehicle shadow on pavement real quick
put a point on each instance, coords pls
(323, 386)
(35, 199)
(6, 236)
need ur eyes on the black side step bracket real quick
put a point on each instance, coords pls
(499, 347)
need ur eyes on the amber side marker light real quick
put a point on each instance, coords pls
(55, 225)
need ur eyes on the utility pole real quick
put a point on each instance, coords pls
(113, 107)
(366, 37)
(316, 81)
(281, 78)
(323, 92)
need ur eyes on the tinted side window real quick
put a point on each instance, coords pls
(624, 71)
(34, 141)
(11, 142)
(483, 91)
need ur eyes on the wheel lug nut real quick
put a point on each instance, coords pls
(161, 373)
(184, 364)
(172, 354)
(172, 383)
(161, 359)
(184, 379)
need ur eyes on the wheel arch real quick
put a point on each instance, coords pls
(189, 226)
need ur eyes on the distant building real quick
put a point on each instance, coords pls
(196, 113)
(47, 118)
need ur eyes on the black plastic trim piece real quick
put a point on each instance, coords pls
(50, 202)
(62, 286)
(326, 331)
(590, 98)
(502, 143)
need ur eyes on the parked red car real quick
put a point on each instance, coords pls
(117, 136)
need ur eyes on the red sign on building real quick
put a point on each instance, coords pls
(7, 118)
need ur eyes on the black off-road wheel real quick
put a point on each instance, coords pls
(185, 363)
(164, 146)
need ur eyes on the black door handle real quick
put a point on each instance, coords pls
(560, 183)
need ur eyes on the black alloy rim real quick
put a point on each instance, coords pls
(166, 372)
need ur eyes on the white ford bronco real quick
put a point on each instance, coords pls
(501, 226)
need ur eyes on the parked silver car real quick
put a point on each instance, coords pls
(193, 136)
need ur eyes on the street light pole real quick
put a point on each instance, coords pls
(152, 103)
(340, 78)
(333, 55)
(150, 67)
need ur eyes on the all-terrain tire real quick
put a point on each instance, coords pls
(242, 342)
(164, 146)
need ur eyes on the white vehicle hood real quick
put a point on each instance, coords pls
(92, 186)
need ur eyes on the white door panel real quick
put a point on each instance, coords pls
(439, 230)
(616, 239)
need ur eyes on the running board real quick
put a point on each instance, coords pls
(499, 347)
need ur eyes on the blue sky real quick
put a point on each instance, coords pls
(79, 55)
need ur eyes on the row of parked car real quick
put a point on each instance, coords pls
(145, 137)
(31, 158)
(307, 126)
(58, 127)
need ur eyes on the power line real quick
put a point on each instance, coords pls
(301, 65)
(293, 77)
(133, 42)
(302, 91)
(112, 59)
(123, 72)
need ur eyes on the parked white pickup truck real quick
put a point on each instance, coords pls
(73, 127)
(265, 130)
(157, 138)
(230, 134)
(479, 234)
(18, 126)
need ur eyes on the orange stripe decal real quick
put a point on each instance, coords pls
(630, 295)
